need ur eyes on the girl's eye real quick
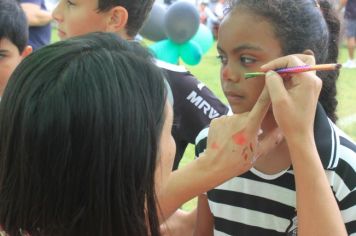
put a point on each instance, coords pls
(2, 55)
(223, 59)
(247, 60)
(70, 3)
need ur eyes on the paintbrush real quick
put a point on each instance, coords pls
(285, 72)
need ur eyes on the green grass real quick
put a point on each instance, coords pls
(347, 95)
(208, 72)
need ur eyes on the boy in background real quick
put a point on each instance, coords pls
(13, 39)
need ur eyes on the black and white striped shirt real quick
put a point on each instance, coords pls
(258, 204)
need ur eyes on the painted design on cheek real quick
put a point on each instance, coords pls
(239, 138)
(251, 148)
(214, 145)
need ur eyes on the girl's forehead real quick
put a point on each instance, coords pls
(241, 31)
(244, 12)
(246, 24)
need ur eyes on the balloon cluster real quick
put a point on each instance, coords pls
(177, 33)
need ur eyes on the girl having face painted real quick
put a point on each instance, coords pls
(306, 183)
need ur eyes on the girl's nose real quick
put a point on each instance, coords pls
(229, 74)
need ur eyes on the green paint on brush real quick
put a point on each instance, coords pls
(254, 74)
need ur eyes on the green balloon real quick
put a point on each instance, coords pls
(204, 37)
(191, 53)
(166, 50)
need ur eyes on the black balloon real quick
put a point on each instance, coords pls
(153, 28)
(181, 21)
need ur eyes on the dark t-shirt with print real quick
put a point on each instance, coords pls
(194, 107)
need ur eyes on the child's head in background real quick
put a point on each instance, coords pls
(13, 39)
(124, 17)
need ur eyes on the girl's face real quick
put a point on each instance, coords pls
(245, 43)
(167, 150)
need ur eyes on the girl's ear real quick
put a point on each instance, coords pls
(117, 21)
(308, 52)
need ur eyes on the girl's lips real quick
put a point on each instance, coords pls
(234, 97)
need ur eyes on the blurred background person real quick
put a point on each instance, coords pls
(39, 20)
(219, 9)
(207, 16)
(349, 7)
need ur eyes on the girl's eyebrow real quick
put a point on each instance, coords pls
(242, 47)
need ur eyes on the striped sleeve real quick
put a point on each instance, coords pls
(200, 141)
(343, 181)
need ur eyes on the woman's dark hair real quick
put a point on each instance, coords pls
(80, 123)
(300, 25)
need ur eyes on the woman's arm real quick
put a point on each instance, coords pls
(294, 104)
(231, 151)
(205, 221)
(180, 223)
(317, 210)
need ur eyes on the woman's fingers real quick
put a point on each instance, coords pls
(258, 112)
(289, 61)
(276, 87)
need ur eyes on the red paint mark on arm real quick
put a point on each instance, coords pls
(214, 145)
(239, 138)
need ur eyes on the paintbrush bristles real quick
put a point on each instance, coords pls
(254, 74)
